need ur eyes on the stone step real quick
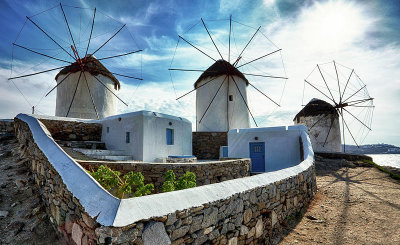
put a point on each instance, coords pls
(98, 152)
(83, 144)
(112, 158)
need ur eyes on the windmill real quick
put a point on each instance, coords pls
(85, 87)
(221, 89)
(350, 106)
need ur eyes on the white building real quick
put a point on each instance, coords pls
(82, 105)
(322, 121)
(226, 109)
(269, 149)
(148, 136)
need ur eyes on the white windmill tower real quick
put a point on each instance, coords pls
(228, 109)
(221, 89)
(349, 105)
(87, 94)
(85, 87)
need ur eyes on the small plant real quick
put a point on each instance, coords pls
(188, 180)
(169, 181)
(112, 181)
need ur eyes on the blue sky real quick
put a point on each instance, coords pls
(359, 34)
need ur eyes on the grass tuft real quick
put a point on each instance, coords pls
(383, 169)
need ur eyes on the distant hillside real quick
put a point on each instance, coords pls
(373, 149)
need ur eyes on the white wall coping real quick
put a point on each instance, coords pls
(116, 212)
(67, 119)
(146, 114)
(6, 120)
(268, 129)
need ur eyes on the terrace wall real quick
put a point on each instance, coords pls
(250, 210)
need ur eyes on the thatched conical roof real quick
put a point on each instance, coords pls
(220, 67)
(93, 66)
(316, 107)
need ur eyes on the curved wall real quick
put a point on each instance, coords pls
(249, 209)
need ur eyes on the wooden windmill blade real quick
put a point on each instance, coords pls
(226, 64)
(348, 95)
(71, 54)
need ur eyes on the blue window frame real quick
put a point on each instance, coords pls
(128, 137)
(170, 136)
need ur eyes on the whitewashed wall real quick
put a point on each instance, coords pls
(82, 106)
(223, 114)
(147, 135)
(320, 130)
(282, 147)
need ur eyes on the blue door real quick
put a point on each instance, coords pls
(257, 155)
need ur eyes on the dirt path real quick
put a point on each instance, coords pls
(354, 205)
(22, 216)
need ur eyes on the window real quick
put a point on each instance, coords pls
(108, 130)
(230, 97)
(170, 136)
(128, 137)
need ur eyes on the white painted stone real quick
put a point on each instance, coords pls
(282, 147)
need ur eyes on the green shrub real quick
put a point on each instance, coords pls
(112, 182)
(188, 180)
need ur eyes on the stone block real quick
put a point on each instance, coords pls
(77, 234)
(247, 216)
(210, 217)
(178, 233)
(259, 228)
(154, 234)
(233, 241)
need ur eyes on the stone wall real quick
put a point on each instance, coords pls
(206, 172)
(206, 145)
(251, 210)
(65, 211)
(6, 127)
(73, 130)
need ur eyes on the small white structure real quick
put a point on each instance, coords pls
(82, 104)
(322, 121)
(269, 149)
(148, 136)
(226, 109)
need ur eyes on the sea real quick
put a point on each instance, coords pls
(392, 160)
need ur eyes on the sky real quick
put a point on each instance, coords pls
(359, 35)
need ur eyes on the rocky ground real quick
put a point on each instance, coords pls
(355, 204)
(22, 216)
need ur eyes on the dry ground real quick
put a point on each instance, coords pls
(354, 205)
(22, 216)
